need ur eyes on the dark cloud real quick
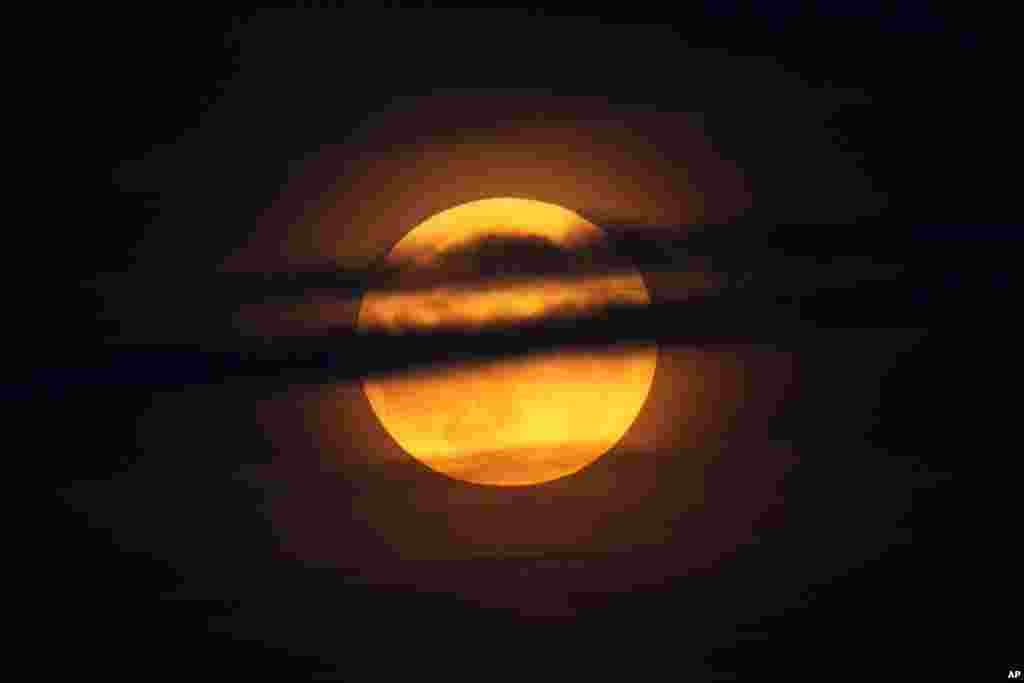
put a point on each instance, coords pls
(495, 255)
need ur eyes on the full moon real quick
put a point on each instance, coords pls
(510, 422)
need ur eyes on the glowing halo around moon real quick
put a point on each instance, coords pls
(511, 422)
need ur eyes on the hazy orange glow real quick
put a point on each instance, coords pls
(516, 422)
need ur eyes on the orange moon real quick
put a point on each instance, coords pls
(511, 422)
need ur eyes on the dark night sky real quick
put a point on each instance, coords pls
(885, 126)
